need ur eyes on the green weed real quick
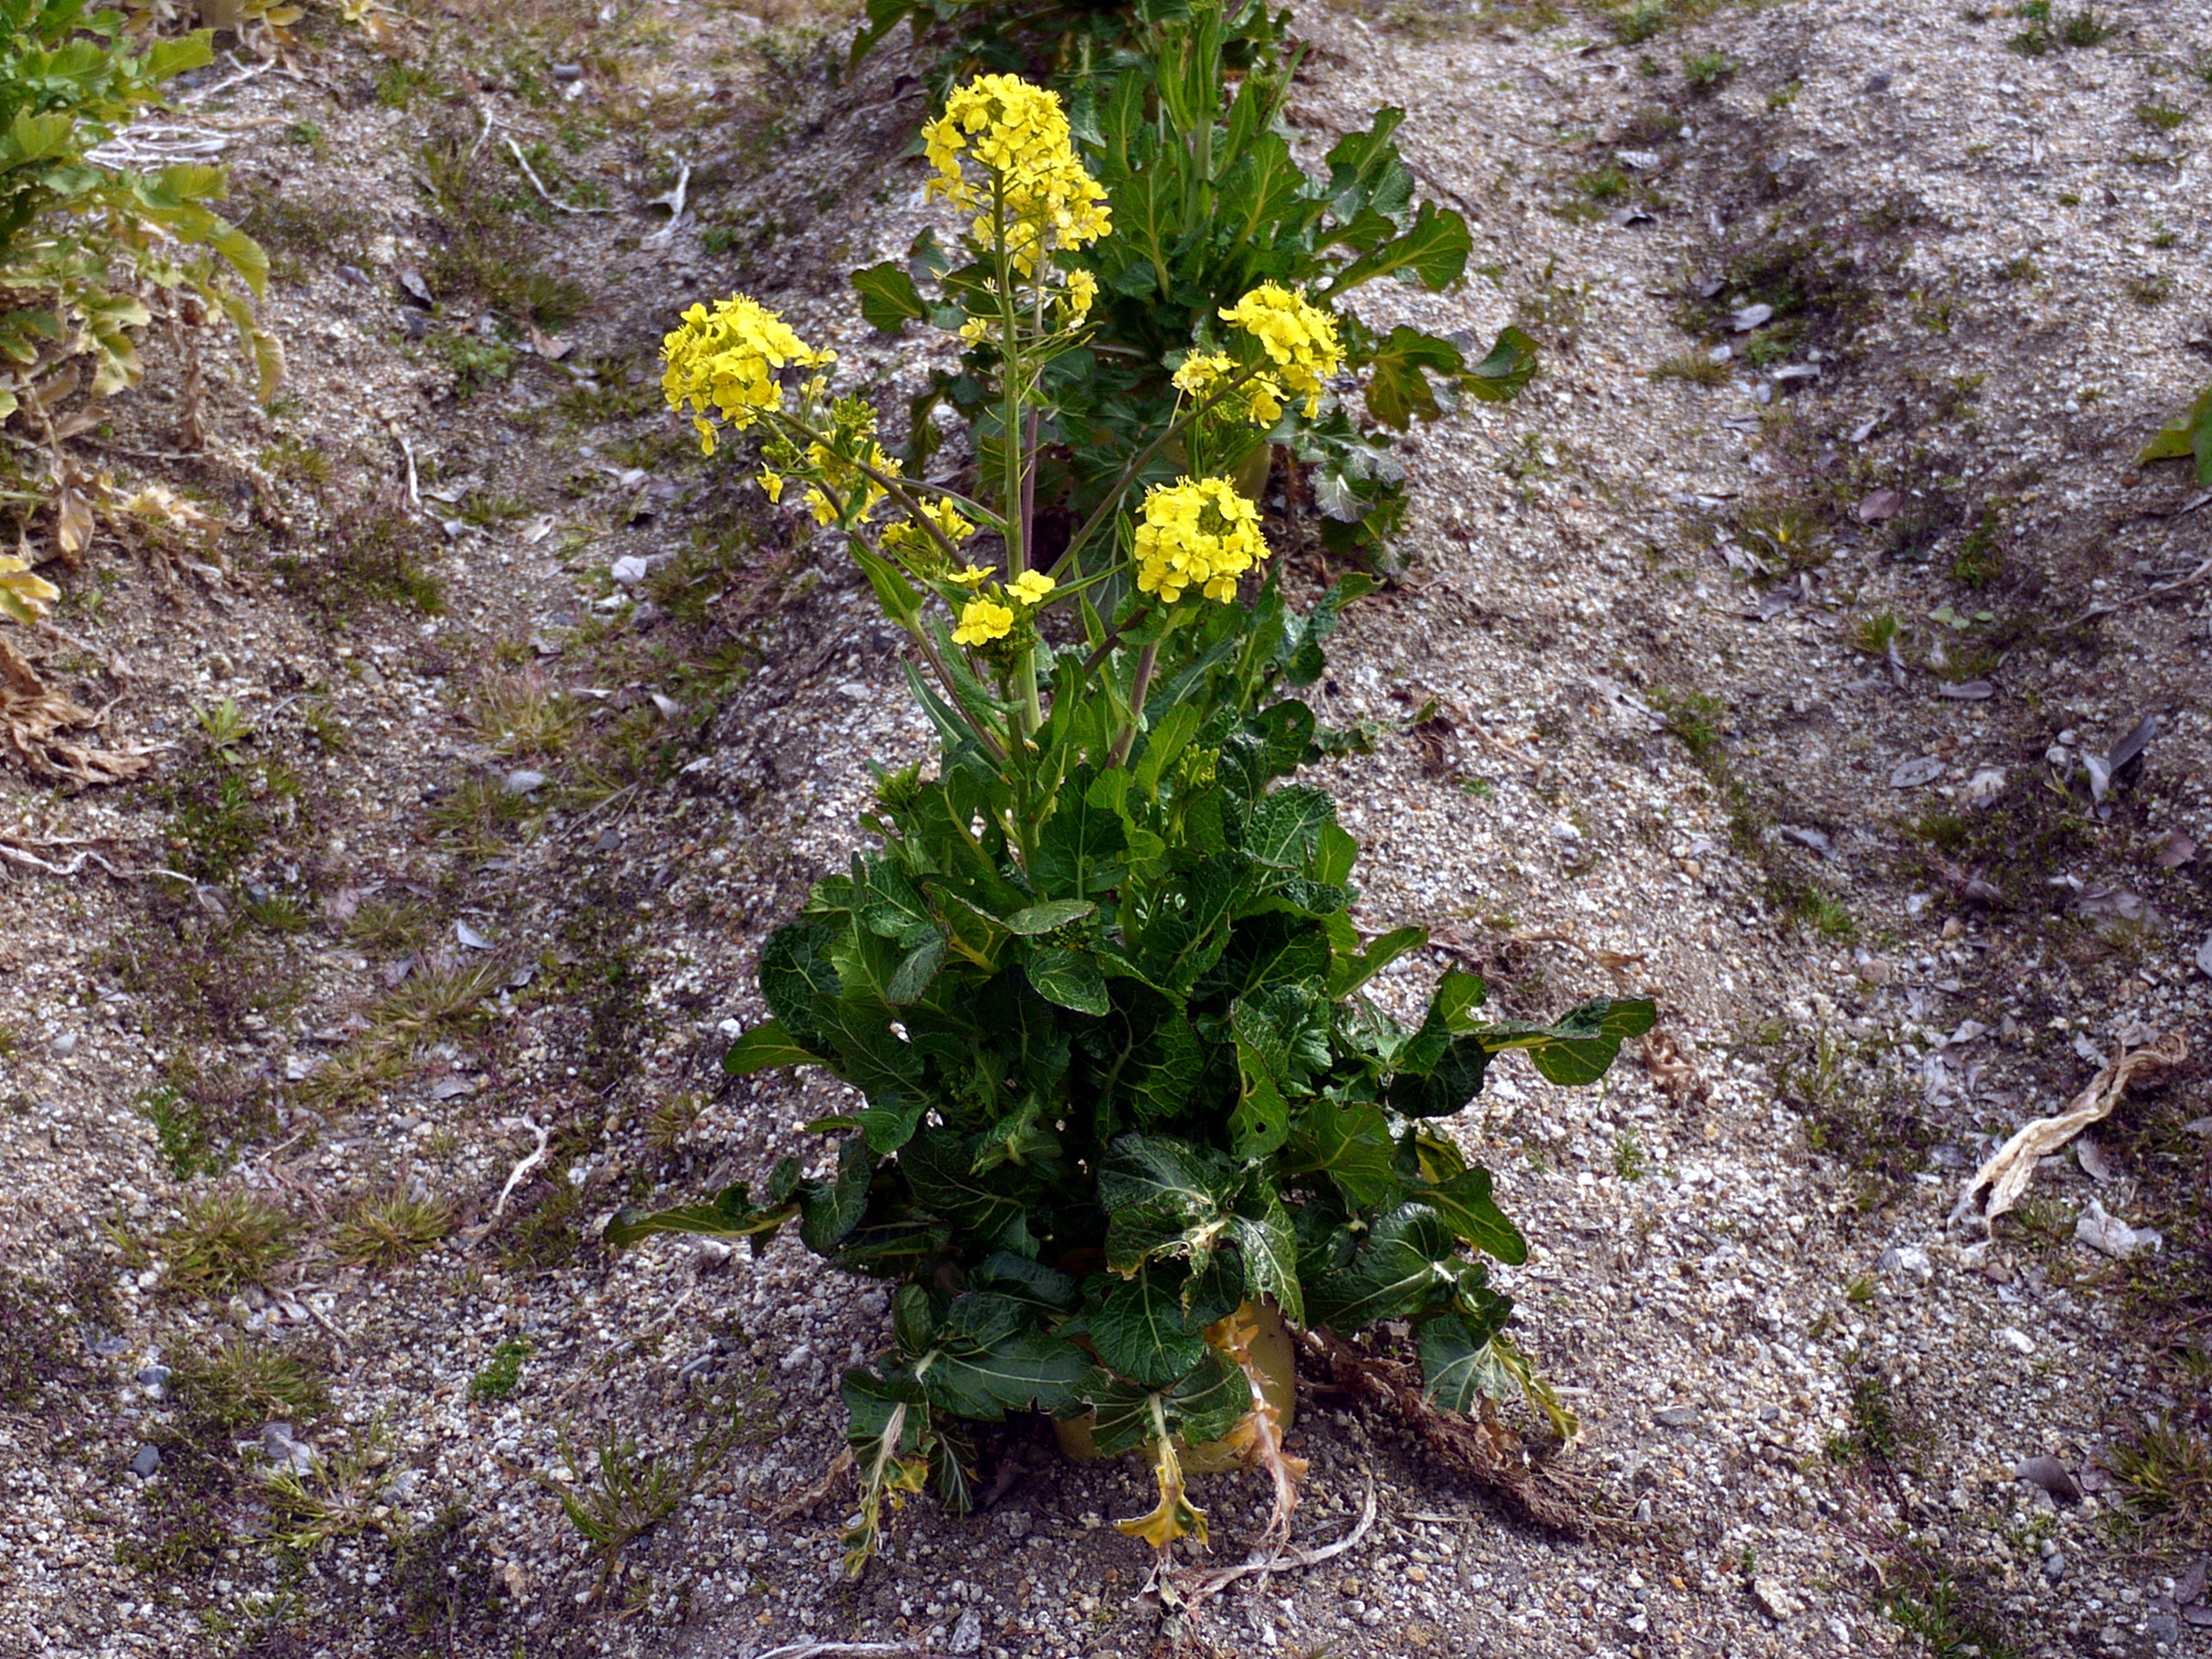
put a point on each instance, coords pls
(387, 1229)
(223, 1239)
(497, 1377)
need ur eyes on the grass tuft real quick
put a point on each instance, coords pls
(385, 1230)
(223, 1239)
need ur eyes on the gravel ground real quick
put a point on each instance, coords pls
(1674, 747)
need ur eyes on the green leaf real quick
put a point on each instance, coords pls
(1142, 1332)
(730, 1214)
(1204, 1404)
(889, 298)
(939, 1166)
(1261, 1120)
(1457, 1363)
(1467, 1207)
(1579, 1048)
(764, 1045)
(828, 1210)
(1163, 1199)
(1433, 251)
(2188, 434)
(1267, 1246)
(1499, 377)
(1404, 1258)
(1397, 376)
(1021, 1280)
(1044, 917)
(1081, 851)
(1285, 826)
(987, 1357)
(1446, 1084)
(1351, 1144)
(893, 592)
(794, 971)
(1070, 978)
(1347, 974)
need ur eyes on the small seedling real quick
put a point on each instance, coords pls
(2153, 288)
(1706, 70)
(1629, 1161)
(497, 1378)
(335, 1498)
(225, 726)
(2161, 116)
(1874, 633)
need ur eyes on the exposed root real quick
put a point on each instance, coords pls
(1477, 1447)
(1280, 1558)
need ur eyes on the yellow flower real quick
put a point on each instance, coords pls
(1017, 133)
(1196, 533)
(1261, 396)
(1082, 288)
(771, 484)
(974, 576)
(1299, 337)
(976, 328)
(1030, 587)
(910, 537)
(724, 362)
(981, 621)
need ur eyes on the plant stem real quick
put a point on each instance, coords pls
(1146, 659)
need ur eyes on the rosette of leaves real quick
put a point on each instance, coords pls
(1208, 201)
(1118, 1075)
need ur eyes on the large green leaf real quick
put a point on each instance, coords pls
(988, 1357)
(2188, 434)
(940, 1167)
(795, 971)
(1351, 1144)
(1579, 1048)
(1347, 974)
(1267, 1244)
(1211, 1397)
(1457, 1362)
(1499, 377)
(730, 1214)
(1141, 1330)
(764, 1045)
(1407, 1253)
(1163, 1197)
(1466, 1205)
(889, 298)
(1433, 251)
(1397, 376)
(1070, 978)
(1081, 851)
(1285, 826)
(829, 1210)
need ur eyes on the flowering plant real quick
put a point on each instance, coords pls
(1099, 991)
(1195, 159)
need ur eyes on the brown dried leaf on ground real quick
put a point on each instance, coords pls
(35, 721)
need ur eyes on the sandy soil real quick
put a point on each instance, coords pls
(1771, 690)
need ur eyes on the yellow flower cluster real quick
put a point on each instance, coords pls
(725, 362)
(1299, 337)
(861, 493)
(909, 540)
(989, 617)
(1261, 397)
(1196, 533)
(1017, 133)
